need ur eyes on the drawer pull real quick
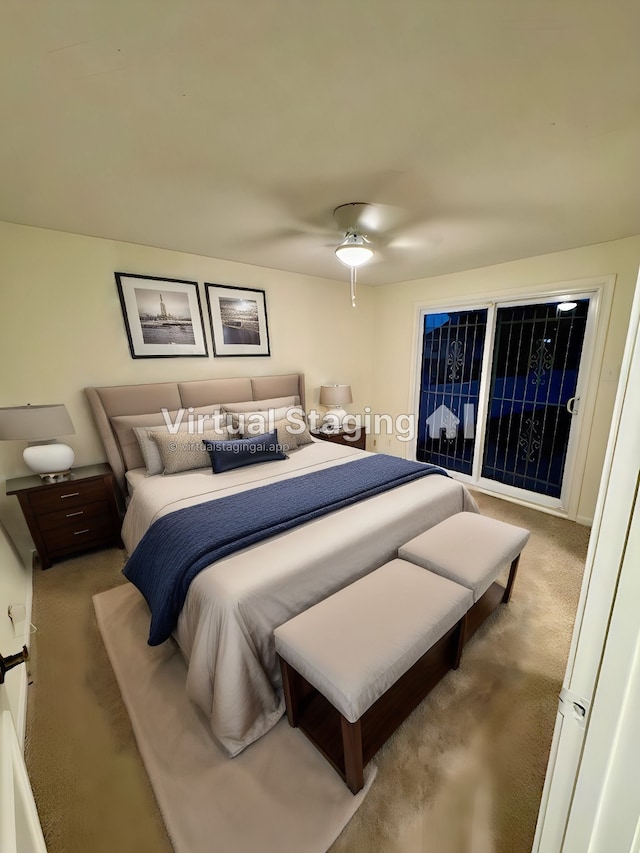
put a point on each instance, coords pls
(70, 495)
(78, 532)
(71, 514)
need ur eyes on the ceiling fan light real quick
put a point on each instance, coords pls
(354, 252)
(353, 256)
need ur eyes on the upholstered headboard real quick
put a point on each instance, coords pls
(119, 401)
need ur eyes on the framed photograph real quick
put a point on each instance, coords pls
(162, 316)
(238, 320)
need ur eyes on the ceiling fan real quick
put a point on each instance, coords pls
(358, 232)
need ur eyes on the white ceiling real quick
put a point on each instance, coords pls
(494, 129)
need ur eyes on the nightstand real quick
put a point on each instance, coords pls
(349, 437)
(72, 516)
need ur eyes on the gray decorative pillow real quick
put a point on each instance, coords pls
(149, 448)
(298, 426)
(185, 451)
(286, 439)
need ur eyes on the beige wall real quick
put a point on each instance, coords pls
(397, 306)
(61, 329)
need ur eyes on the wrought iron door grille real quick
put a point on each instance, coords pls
(535, 372)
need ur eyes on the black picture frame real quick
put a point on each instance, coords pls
(239, 321)
(162, 316)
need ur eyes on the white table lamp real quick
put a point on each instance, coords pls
(39, 425)
(335, 397)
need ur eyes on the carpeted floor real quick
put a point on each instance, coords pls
(464, 772)
(278, 794)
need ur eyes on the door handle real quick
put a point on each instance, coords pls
(12, 660)
(572, 405)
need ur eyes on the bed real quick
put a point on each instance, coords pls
(225, 628)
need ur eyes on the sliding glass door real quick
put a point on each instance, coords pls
(498, 392)
(452, 351)
(534, 376)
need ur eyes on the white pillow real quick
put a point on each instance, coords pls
(238, 423)
(290, 423)
(124, 425)
(261, 405)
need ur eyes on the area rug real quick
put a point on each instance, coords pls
(278, 795)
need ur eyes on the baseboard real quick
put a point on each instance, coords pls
(23, 689)
(17, 634)
(584, 520)
(21, 721)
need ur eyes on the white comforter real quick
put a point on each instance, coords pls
(226, 626)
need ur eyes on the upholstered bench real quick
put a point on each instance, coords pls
(471, 550)
(355, 665)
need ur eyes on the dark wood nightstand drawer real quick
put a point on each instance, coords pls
(67, 518)
(83, 534)
(350, 438)
(67, 495)
(71, 517)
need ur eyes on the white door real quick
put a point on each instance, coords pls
(591, 799)
(20, 830)
(606, 816)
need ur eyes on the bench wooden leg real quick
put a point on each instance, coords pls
(352, 746)
(512, 576)
(291, 693)
(461, 636)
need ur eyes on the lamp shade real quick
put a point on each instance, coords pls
(354, 251)
(335, 395)
(34, 423)
(40, 425)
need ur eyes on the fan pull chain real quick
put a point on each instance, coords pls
(353, 287)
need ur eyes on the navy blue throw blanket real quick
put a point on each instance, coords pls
(180, 545)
